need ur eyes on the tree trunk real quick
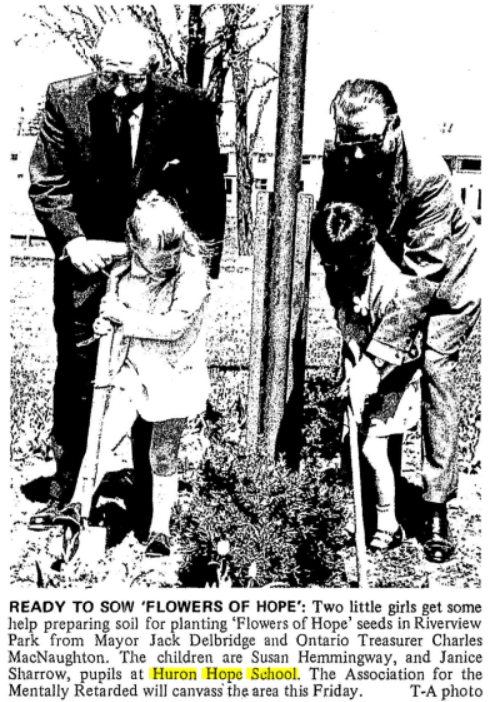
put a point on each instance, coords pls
(196, 48)
(244, 174)
(217, 78)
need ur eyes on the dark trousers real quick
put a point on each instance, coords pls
(76, 301)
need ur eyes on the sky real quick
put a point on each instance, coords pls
(430, 53)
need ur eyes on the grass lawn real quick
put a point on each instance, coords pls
(33, 362)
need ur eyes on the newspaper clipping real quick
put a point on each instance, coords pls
(245, 270)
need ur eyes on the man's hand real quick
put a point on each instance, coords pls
(92, 255)
(112, 309)
(363, 382)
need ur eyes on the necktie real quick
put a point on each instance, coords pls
(124, 158)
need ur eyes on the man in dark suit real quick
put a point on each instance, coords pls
(425, 231)
(106, 139)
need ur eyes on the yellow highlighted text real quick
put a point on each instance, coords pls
(221, 674)
(173, 674)
(272, 674)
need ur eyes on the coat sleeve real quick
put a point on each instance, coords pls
(191, 293)
(205, 184)
(51, 189)
(329, 192)
(426, 248)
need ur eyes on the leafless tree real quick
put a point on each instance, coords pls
(242, 31)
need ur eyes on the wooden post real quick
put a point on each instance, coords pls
(258, 334)
(289, 440)
(289, 147)
(300, 293)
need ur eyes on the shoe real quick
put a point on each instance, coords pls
(38, 490)
(70, 516)
(387, 540)
(438, 543)
(45, 518)
(158, 546)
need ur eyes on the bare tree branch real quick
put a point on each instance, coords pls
(214, 43)
(208, 8)
(179, 60)
(273, 66)
(264, 99)
(260, 86)
(267, 27)
(101, 14)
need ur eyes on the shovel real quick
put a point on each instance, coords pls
(88, 542)
(361, 554)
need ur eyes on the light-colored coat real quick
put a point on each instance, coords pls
(386, 285)
(159, 355)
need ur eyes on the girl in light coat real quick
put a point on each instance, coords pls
(159, 372)
(362, 284)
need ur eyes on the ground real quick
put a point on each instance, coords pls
(33, 357)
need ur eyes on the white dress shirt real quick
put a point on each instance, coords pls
(135, 127)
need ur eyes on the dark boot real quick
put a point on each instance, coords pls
(438, 543)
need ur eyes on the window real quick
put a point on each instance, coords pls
(261, 183)
(225, 162)
(470, 164)
(306, 160)
(14, 157)
(229, 186)
(301, 186)
(478, 205)
(262, 158)
(463, 194)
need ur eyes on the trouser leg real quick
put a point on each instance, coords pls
(440, 422)
(446, 334)
(73, 391)
(76, 302)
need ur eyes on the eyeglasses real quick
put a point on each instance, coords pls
(111, 79)
(370, 144)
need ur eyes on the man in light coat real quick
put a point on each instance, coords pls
(425, 231)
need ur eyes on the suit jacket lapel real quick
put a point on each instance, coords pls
(102, 129)
(399, 184)
(153, 131)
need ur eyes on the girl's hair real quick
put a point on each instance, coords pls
(344, 236)
(158, 222)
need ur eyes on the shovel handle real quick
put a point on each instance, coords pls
(361, 554)
(90, 465)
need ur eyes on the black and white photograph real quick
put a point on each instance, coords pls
(245, 293)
